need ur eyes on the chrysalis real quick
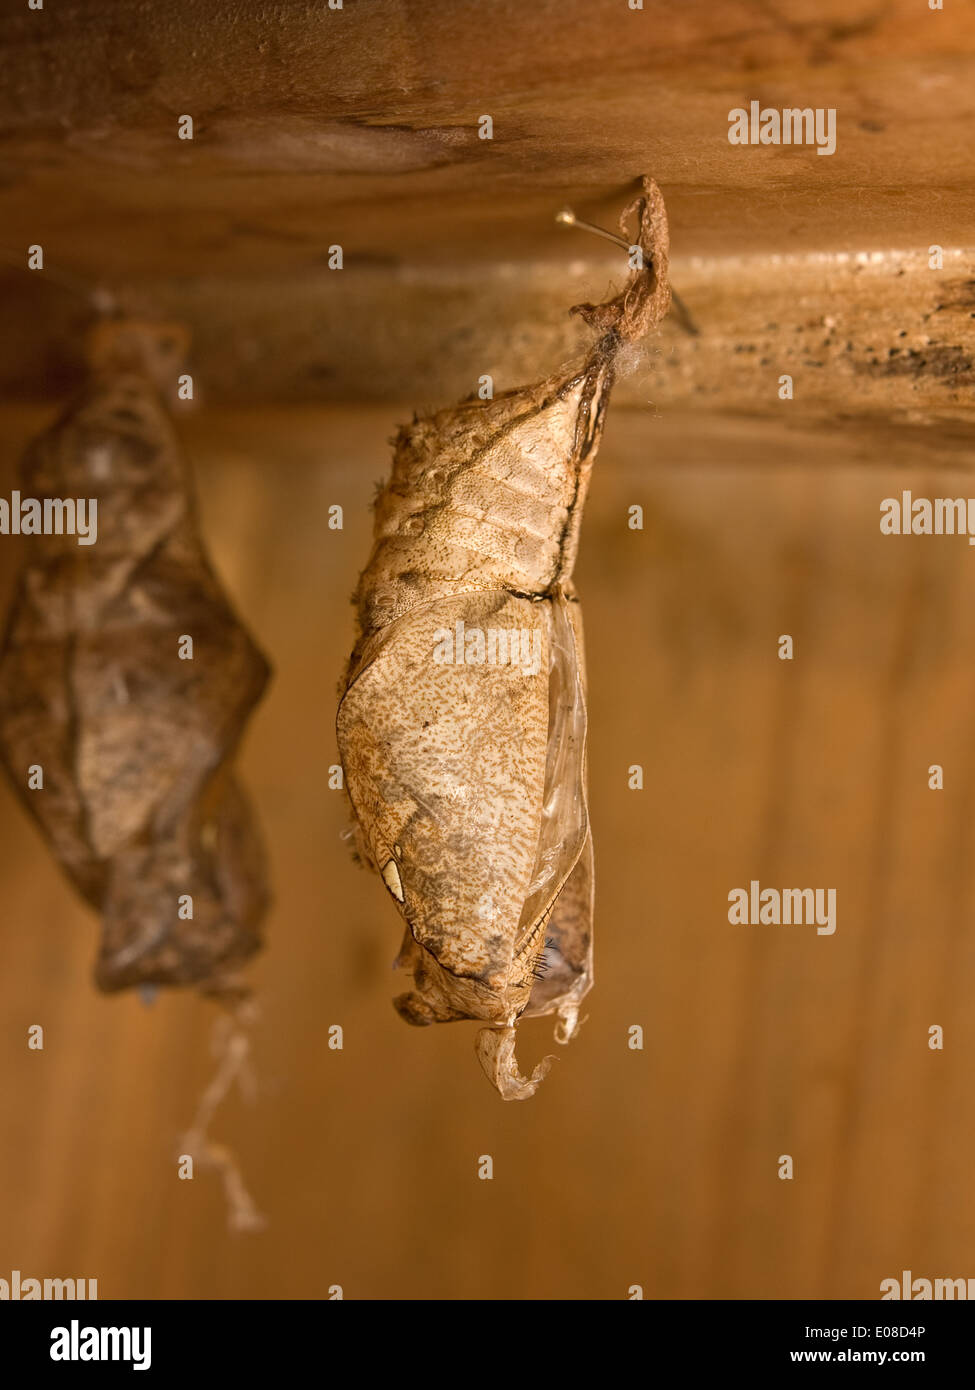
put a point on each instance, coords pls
(462, 727)
(135, 739)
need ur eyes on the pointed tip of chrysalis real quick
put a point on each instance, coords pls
(495, 1049)
(645, 298)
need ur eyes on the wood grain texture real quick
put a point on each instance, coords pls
(360, 126)
(315, 127)
(659, 1166)
(881, 334)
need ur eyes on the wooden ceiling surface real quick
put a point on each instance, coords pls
(359, 126)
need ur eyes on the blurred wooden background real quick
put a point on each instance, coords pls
(656, 1167)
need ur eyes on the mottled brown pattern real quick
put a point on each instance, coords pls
(468, 779)
(139, 800)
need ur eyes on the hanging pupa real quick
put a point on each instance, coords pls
(462, 726)
(132, 727)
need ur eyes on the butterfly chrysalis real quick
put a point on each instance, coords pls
(462, 726)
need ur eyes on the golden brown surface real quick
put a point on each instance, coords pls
(360, 126)
(659, 1166)
(315, 128)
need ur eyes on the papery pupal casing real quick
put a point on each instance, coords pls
(139, 800)
(467, 776)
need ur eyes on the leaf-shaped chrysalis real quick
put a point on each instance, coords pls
(462, 727)
(128, 679)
